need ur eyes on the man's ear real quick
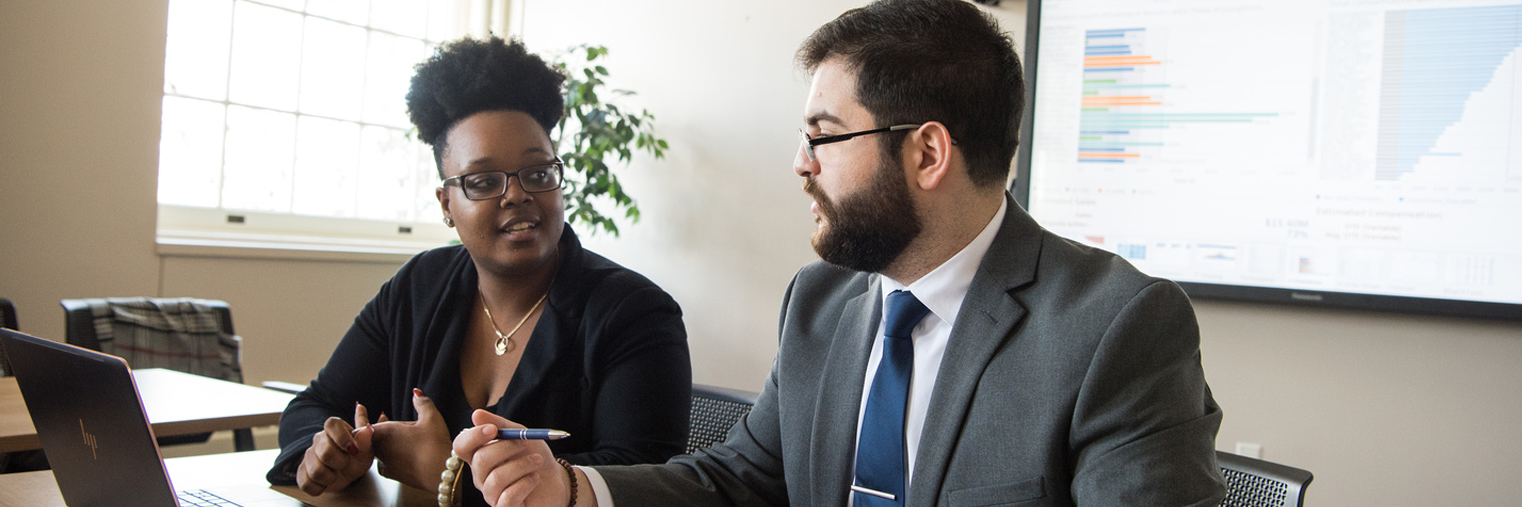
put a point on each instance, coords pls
(931, 150)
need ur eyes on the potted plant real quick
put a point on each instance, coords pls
(594, 132)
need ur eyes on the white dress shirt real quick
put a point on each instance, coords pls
(942, 291)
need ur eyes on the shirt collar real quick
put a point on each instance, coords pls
(943, 288)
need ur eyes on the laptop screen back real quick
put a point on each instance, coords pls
(85, 408)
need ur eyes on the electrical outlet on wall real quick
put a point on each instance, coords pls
(1250, 450)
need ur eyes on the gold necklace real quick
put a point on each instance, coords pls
(505, 341)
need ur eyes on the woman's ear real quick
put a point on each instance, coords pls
(442, 194)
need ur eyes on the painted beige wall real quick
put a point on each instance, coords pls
(1385, 409)
(79, 98)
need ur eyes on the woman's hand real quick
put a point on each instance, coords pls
(511, 473)
(413, 452)
(338, 456)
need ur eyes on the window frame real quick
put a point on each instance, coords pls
(183, 230)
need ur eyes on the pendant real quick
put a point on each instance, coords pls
(502, 345)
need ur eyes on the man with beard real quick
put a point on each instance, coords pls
(947, 351)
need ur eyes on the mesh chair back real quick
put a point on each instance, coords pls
(715, 410)
(1257, 483)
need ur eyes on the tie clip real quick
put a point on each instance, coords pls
(873, 492)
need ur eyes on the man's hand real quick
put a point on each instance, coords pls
(511, 473)
(413, 452)
(339, 455)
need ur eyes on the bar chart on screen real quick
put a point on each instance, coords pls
(1451, 95)
(1130, 109)
(1164, 94)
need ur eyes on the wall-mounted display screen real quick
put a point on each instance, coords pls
(1349, 153)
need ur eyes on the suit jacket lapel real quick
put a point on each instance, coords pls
(840, 392)
(986, 321)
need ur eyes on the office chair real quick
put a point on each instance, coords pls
(714, 410)
(7, 320)
(80, 330)
(7, 314)
(1257, 483)
(22, 461)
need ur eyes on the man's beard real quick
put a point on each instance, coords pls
(868, 229)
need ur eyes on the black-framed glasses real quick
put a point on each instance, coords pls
(810, 142)
(493, 184)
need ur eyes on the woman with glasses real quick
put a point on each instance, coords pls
(519, 320)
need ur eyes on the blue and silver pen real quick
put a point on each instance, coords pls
(531, 434)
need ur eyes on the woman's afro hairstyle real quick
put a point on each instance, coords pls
(468, 76)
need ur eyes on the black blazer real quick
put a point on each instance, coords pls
(607, 361)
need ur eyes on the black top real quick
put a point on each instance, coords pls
(607, 361)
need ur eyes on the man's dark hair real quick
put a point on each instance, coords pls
(931, 60)
(468, 76)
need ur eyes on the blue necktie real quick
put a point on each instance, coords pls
(880, 456)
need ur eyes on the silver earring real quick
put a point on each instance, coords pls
(448, 222)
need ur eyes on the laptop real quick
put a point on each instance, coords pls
(87, 412)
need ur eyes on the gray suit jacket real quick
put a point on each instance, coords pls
(1070, 378)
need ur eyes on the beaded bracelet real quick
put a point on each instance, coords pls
(569, 474)
(449, 481)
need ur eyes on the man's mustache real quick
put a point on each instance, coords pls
(811, 188)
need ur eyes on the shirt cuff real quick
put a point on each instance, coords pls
(599, 487)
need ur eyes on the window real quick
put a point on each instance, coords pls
(284, 124)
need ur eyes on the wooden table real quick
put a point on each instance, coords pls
(177, 404)
(238, 469)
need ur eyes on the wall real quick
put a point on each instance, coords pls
(1385, 409)
(80, 96)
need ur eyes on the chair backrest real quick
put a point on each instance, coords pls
(715, 410)
(8, 314)
(1257, 483)
(149, 342)
(19, 461)
(7, 319)
(80, 329)
(80, 321)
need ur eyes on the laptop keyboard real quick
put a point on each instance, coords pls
(201, 498)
